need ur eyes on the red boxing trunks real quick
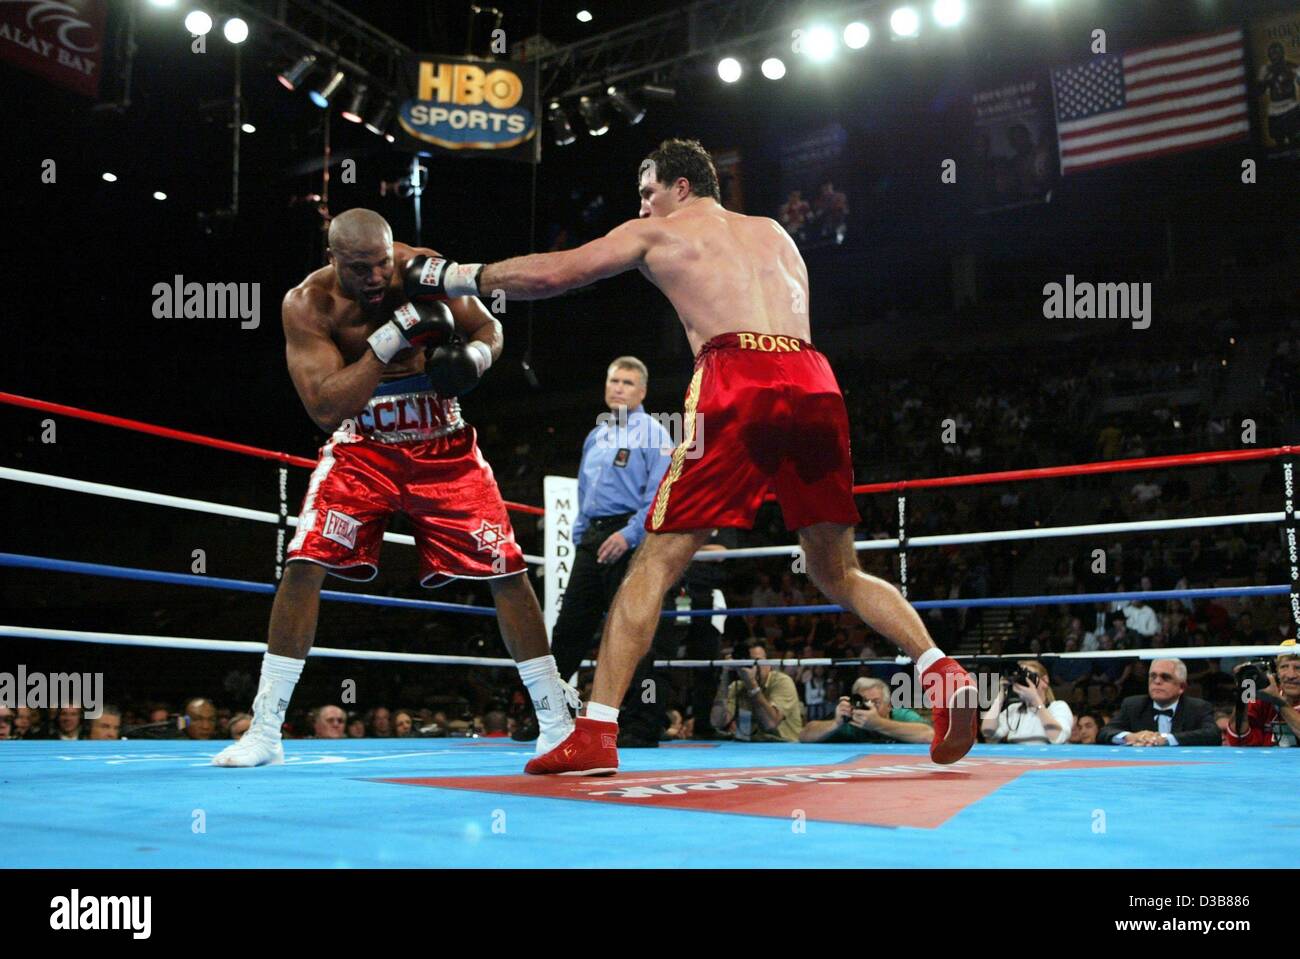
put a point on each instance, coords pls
(763, 413)
(408, 452)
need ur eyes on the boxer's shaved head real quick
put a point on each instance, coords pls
(359, 230)
(361, 246)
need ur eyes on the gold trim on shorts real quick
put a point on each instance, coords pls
(679, 454)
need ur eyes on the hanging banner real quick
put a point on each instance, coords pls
(560, 496)
(471, 108)
(62, 42)
(1275, 85)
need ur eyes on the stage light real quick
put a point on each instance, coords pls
(162, 4)
(857, 35)
(235, 30)
(390, 138)
(248, 128)
(292, 77)
(561, 129)
(109, 177)
(380, 118)
(773, 68)
(595, 115)
(633, 111)
(905, 22)
(949, 13)
(729, 69)
(819, 44)
(584, 16)
(321, 95)
(159, 195)
(352, 112)
(197, 23)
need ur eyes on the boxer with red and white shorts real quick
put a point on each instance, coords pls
(382, 375)
(763, 412)
(409, 452)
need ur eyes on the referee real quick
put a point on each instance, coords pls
(623, 460)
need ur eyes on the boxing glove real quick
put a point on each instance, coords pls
(413, 324)
(437, 278)
(455, 368)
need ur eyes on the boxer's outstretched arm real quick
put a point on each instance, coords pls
(472, 318)
(543, 275)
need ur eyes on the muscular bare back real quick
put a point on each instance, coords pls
(727, 272)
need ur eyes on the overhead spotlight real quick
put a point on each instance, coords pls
(857, 35)
(949, 13)
(248, 128)
(594, 115)
(197, 23)
(162, 4)
(819, 44)
(729, 69)
(159, 195)
(235, 30)
(321, 95)
(773, 68)
(109, 177)
(380, 118)
(624, 104)
(292, 77)
(905, 22)
(390, 138)
(561, 129)
(584, 16)
(352, 112)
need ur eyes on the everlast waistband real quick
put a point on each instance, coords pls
(407, 410)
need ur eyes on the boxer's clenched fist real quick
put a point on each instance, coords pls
(413, 324)
(455, 368)
(437, 278)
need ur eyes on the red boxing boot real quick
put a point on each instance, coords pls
(590, 750)
(954, 700)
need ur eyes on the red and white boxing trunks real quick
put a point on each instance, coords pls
(409, 452)
(763, 413)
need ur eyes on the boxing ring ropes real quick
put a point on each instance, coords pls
(901, 544)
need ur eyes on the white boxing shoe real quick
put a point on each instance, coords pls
(555, 722)
(254, 749)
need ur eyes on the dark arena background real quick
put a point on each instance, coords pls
(1049, 240)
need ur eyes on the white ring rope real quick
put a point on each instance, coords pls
(243, 646)
(176, 502)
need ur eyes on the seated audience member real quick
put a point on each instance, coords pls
(239, 724)
(67, 724)
(1025, 710)
(108, 725)
(200, 718)
(403, 724)
(1086, 728)
(496, 724)
(1268, 716)
(328, 722)
(381, 722)
(1166, 716)
(762, 705)
(28, 723)
(6, 723)
(868, 716)
(356, 726)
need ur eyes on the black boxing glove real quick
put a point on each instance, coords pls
(413, 324)
(437, 278)
(455, 368)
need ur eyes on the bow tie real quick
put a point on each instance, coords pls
(1164, 712)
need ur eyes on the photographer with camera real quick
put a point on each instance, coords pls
(761, 706)
(1265, 708)
(1025, 709)
(867, 716)
(1164, 717)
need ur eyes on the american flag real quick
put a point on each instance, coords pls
(1182, 95)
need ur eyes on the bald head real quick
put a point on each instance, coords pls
(359, 231)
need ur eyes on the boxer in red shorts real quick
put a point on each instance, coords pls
(356, 349)
(769, 414)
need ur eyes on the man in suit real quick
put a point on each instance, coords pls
(1164, 717)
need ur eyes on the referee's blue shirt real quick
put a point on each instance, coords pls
(620, 472)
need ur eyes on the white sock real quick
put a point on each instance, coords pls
(602, 714)
(274, 691)
(928, 659)
(542, 679)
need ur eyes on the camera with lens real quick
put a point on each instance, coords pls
(1253, 677)
(860, 702)
(1017, 675)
